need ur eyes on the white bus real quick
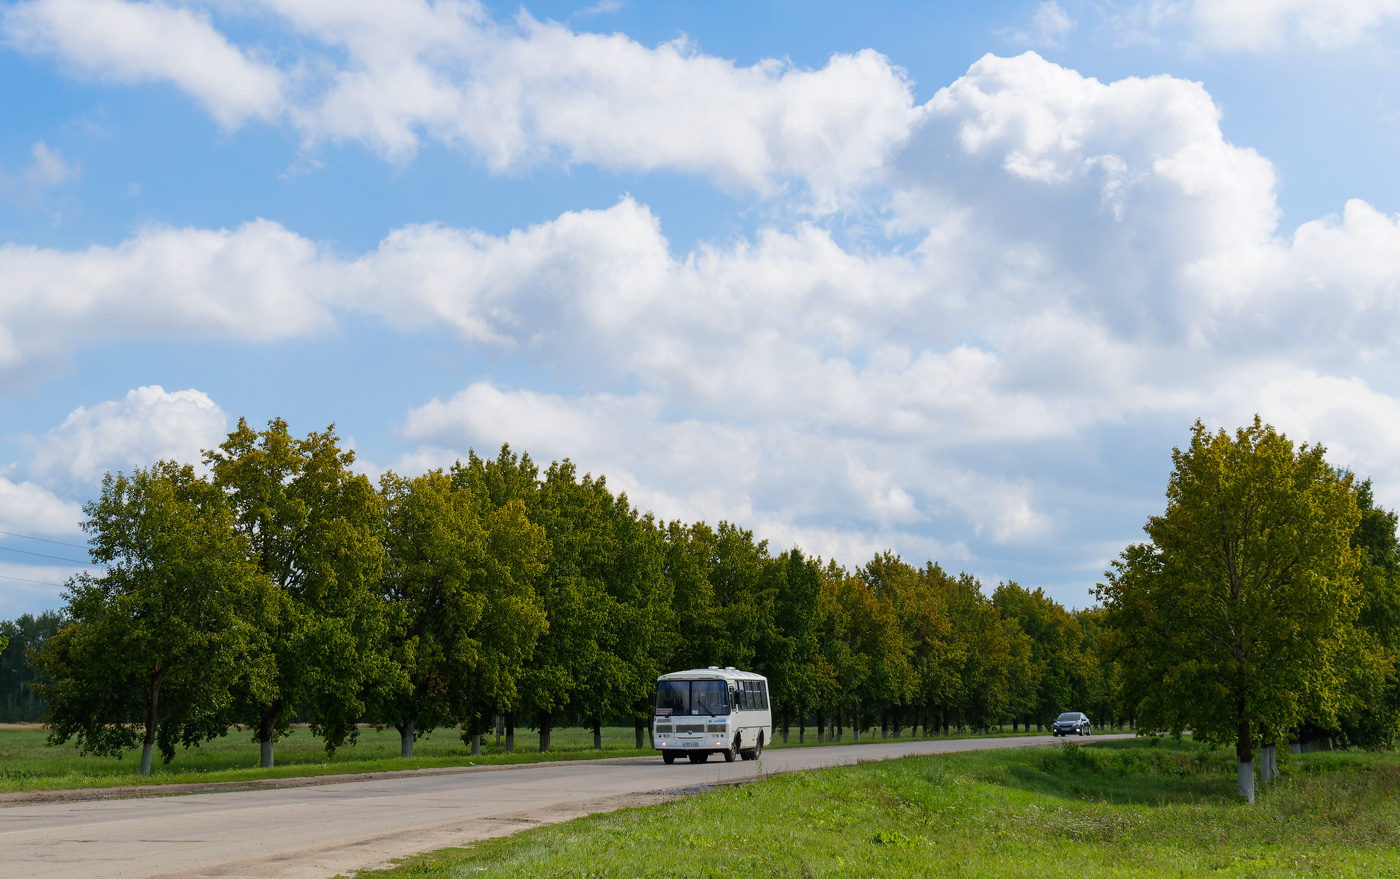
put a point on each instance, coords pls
(712, 710)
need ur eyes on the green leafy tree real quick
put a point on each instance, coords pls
(1373, 718)
(496, 483)
(790, 649)
(1056, 642)
(1236, 619)
(315, 529)
(689, 554)
(153, 645)
(458, 581)
(996, 670)
(19, 701)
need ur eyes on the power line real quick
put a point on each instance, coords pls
(46, 556)
(36, 582)
(45, 540)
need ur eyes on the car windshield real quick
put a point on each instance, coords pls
(1067, 716)
(691, 697)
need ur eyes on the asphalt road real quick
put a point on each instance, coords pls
(326, 828)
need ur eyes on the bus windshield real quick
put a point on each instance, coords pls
(691, 697)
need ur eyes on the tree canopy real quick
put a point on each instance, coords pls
(1237, 619)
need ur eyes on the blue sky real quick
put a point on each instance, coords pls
(949, 279)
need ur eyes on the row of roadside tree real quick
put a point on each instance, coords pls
(278, 584)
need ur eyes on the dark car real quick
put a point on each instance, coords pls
(1071, 722)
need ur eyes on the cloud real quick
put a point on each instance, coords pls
(1049, 26)
(28, 508)
(1263, 25)
(515, 94)
(46, 170)
(149, 42)
(149, 424)
(1078, 269)
(255, 283)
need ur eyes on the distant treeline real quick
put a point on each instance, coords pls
(284, 585)
(19, 702)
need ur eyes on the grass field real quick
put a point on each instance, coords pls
(28, 763)
(1115, 809)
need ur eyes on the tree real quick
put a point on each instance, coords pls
(19, 702)
(315, 530)
(458, 581)
(155, 643)
(789, 650)
(1234, 620)
(1373, 717)
(996, 675)
(1056, 642)
(495, 484)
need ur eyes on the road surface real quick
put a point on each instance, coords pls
(326, 827)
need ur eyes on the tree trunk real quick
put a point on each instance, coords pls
(840, 724)
(801, 727)
(149, 739)
(637, 729)
(500, 728)
(476, 744)
(821, 728)
(406, 730)
(510, 732)
(544, 732)
(855, 725)
(267, 732)
(597, 734)
(1244, 759)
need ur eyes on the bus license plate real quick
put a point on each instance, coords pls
(690, 744)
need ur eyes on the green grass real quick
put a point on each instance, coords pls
(27, 762)
(1126, 809)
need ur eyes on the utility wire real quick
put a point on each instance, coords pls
(46, 556)
(45, 540)
(36, 582)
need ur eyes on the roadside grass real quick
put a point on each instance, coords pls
(28, 763)
(1121, 809)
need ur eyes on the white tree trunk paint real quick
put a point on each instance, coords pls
(1268, 767)
(1246, 776)
(265, 758)
(146, 758)
(476, 744)
(406, 739)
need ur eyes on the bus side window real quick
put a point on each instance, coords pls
(763, 695)
(745, 696)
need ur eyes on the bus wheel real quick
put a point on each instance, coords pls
(758, 747)
(668, 758)
(700, 757)
(732, 750)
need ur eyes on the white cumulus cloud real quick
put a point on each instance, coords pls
(149, 424)
(392, 74)
(149, 42)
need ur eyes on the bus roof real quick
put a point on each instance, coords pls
(713, 673)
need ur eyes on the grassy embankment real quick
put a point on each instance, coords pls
(28, 763)
(1117, 809)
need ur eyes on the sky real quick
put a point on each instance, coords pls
(945, 279)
